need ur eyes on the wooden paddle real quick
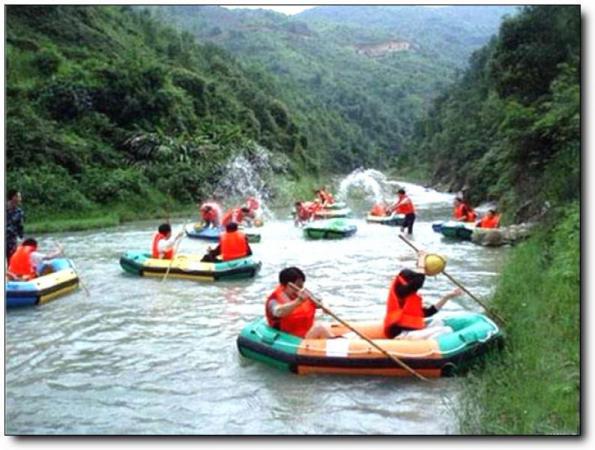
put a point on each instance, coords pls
(76, 271)
(369, 341)
(495, 316)
(175, 252)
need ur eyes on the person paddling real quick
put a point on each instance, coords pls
(405, 312)
(164, 243)
(289, 309)
(27, 263)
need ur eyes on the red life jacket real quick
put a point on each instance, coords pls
(168, 254)
(212, 214)
(463, 211)
(489, 222)
(298, 322)
(459, 211)
(233, 245)
(405, 205)
(304, 212)
(314, 207)
(410, 316)
(378, 210)
(20, 262)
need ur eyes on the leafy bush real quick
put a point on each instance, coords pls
(47, 61)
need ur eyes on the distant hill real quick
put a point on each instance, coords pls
(357, 79)
(449, 33)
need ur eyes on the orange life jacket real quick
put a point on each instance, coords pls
(378, 210)
(410, 316)
(464, 211)
(298, 322)
(20, 262)
(168, 254)
(233, 245)
(489, 222)
(404, 206)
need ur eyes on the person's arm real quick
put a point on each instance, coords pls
(59, 250)
(216, 251)
(282, 310)
(454, 293)
(167, 244)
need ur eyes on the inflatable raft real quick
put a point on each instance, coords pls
(446, 354)
(189, 267)
(336, 205)
(329, 229)
(197, 231)
(392, 221)
(61, 281)
(332, 213)
(455, 230)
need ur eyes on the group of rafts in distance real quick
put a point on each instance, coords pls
(411, 340)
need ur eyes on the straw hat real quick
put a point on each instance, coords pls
(434, 264)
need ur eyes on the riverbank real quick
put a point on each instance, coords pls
(287, 191)
(104, 218)
(533, 386)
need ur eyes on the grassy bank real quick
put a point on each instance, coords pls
(533, 386)
(287, 191)
(103, 218)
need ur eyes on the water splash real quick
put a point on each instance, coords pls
(245, 177)
(366, 186)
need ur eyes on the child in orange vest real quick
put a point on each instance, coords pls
(26, 262)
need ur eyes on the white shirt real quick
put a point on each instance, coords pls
(166, 244)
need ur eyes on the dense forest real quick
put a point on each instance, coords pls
(105, 107)
(509, 128)
(110, 107)
(357, 79)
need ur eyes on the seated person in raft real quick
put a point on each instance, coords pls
(26, 263)
(405, 311)
(490, 220)
(163, 246)
(289, 308)
(233, 244)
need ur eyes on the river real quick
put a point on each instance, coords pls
(144, 357)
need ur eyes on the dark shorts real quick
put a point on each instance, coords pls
(408, 222)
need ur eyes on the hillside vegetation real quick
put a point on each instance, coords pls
(509, 129)
(356, 110)
(108, 109)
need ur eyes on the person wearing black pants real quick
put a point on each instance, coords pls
(404, 205)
